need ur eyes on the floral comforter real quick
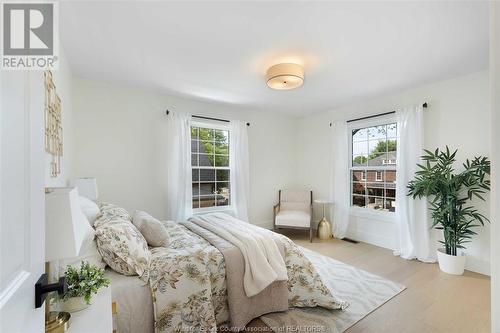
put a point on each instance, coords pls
(187, 281)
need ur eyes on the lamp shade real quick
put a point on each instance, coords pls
(87, 187)
(66, 228)
(285, 76)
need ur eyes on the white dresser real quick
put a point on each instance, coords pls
(97, 318)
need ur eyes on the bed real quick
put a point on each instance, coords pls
(133, 304)
(199, 281)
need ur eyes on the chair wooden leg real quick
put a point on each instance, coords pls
(311, 234)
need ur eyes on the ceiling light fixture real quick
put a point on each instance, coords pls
(285, 76)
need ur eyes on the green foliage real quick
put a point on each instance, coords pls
(212, 142)
(360, 159)
(382, 147)
(85, 281)
(448, 193)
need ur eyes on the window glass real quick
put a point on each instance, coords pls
(373, 167)
(210, 167)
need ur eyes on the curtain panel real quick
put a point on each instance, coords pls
(413, 228)
(340, 184)
(179, 182)
(240, 171)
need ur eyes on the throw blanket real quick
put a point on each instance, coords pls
(188, 283)
(242, 309)
(263, 261)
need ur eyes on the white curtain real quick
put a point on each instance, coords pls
(340, 181)
(179, 187)
(414, 236)
(240, 172)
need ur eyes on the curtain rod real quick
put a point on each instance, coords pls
(208, 118)
(378, 115)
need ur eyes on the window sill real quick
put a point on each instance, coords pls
(367, 213)
(198, 211)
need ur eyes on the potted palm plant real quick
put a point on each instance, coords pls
(449, 194)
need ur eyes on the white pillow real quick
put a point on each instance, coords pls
(89, 254)
(89, 209)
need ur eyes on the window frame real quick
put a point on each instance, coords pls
(363, 211)
(222, 127)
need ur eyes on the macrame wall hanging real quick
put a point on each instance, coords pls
(53, 124)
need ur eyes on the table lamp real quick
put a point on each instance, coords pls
(87, 187)
(66, 229)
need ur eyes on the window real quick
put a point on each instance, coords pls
(373, 167)
(210, 167)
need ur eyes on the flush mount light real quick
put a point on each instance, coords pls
(285, 76)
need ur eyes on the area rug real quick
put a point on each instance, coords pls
(364, 291)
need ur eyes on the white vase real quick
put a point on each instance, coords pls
(451, 264)
(73, 304)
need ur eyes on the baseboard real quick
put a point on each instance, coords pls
(370, 238)
(478, 266)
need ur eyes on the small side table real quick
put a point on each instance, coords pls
(97, 318)
(324, 227)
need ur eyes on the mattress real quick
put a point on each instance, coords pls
(134, 304)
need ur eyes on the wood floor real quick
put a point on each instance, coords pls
(433, 301)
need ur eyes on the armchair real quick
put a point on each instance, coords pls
(294, 211)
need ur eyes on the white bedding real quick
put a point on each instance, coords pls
(264, 263)
(187, 288)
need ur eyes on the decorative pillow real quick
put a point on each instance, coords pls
(109, 210)
(121, 245)
(89, 209)
(153, 231)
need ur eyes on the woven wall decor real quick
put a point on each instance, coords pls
(53, 124)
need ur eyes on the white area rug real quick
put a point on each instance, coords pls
(364, 291)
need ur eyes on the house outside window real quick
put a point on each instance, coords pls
(373, 166)
(210, 167)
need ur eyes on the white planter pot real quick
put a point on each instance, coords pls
(73, 304)
(451, 264)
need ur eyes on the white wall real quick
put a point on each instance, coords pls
(495, 149)
(120, 140)
(457, 116)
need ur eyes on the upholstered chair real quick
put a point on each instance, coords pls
(294, 211)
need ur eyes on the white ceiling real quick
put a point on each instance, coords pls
(219, 51)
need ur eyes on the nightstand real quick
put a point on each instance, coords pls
(97, 318)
